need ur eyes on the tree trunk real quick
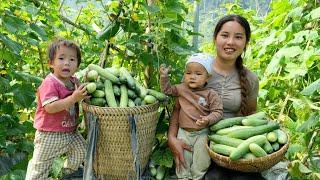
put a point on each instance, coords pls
(195, 40)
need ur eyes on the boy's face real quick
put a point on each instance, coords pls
(65, 63)
(195, 75)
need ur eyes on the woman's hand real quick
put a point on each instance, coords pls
(177, 147)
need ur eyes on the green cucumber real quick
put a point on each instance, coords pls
(230, 129)
(222, 149)
(104, 73)
(275, 146)
(114, 70)
(98, 101)
(257, 150)
(249, 156)
(116, 90)
(125, 74)
(131, 103)
(92, 75)
(153, 171)
(108, 89)
(243, 148)
(142, 92)
(98, 93)
(282, 136)
(254, 122)
(161, 171)
(267, 147)
(91, 87)
(137, 101)
(233, 142)
(100, 85)
(272, 136)
(258, 115)
(246, 133)
(131, 94)
(150, 99)
(160, 96)
(224, 123)
(124, 96)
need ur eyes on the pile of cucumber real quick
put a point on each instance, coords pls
(246, 137)
(115, 87)
(159, 172)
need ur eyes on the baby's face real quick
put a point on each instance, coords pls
(195, 75)
(65, 63)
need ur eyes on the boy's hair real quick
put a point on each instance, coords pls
(56, 44)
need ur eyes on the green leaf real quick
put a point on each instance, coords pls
(40, 31)
(146, 58)
(4, 85)
(298, 168)
(57, 167)
(109, 32)
(296, 12)
(12, 45)
(295, 70)
(179, 49)
(286, 52)
(153, 8)
(163, 157)
(24, 94)
(315, 14)
(309, 125)
(309, 90)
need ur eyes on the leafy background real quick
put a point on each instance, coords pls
(140, 35)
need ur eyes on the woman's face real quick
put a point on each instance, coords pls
(230, 41)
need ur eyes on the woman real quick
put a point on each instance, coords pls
(236, 85)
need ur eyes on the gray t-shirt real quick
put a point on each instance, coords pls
(229, 90)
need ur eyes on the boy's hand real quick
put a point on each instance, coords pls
(164, 71)
(80, 93)
(203, 122)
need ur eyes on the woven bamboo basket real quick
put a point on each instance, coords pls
(114, 157)
(249, 165)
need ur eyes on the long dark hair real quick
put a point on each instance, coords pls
(242, 71)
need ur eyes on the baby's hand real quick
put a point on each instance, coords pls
(80, 93)
(164, 70)
(203, 122)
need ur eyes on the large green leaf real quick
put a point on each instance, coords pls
(282, 54)
(315, 14)
(4, 85)
(24, 94)
(295, 70)
(40, 31)
(12, 45)
(309, 90)
(309, 125)
(163, 157)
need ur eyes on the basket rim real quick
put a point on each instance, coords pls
(117, 108)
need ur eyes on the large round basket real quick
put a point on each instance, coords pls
(114, 157)
(249, 165)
